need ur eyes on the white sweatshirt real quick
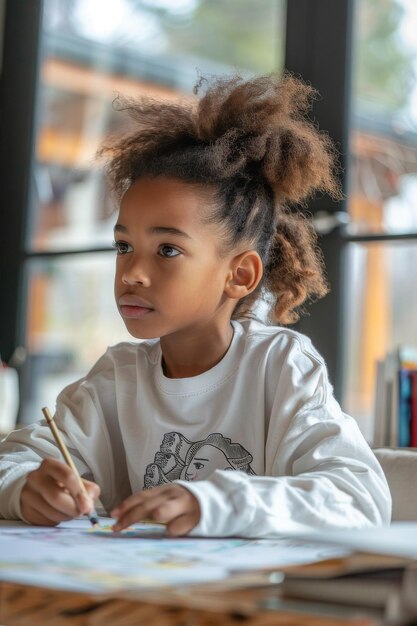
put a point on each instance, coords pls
(266, 410)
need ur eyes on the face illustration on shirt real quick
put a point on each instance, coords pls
(182, 458)
(207, 459)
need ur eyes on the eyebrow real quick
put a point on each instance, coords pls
(199, 459)
(155, 230)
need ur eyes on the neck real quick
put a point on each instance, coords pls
(194, 353)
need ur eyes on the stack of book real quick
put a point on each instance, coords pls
(395, 413)
(378, 587)
(379, 575)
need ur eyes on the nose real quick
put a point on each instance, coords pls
(133, 272)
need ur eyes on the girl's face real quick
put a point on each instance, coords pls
(170, 276)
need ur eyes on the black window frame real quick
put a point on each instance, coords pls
(18, 115)
(319, 49)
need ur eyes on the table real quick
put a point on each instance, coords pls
(22, 605)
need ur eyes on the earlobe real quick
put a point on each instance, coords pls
(245, 274)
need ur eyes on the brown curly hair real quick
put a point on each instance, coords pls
(251, 144)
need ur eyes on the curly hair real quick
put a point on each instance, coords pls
(251, 144)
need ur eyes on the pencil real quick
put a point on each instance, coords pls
(92, 515)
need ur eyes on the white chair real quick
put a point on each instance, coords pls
(400, 469)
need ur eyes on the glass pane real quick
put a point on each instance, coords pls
(93, 50)
(72, 320)
(383, 173)
(381, 315)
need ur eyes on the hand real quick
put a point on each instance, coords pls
(52, 494)
(171, 504)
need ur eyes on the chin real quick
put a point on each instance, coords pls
(144, 335)
(141, 333)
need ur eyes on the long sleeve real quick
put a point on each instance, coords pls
(319, 470)
(333, 481)
(86, 415)
(22, 452)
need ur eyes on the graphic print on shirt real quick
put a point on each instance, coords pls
(179, 458)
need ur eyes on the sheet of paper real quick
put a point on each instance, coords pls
(398, 539)
(74, 557)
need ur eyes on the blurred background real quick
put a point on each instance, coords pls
(64, 62)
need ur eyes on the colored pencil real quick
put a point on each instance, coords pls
(92, 515)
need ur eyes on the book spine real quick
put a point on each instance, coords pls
(413, 437)
(393, 397)
(380, 424)
(404, 407)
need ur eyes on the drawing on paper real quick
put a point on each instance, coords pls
(72, 557)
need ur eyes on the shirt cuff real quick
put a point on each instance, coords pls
(11, 489)
(220, 513)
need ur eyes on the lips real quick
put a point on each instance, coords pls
(132, 306)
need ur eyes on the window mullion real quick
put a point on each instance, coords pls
(18, 86)
(318, 47)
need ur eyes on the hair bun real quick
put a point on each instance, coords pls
(263, 122)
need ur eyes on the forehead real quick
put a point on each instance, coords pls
(165, 199)
(209, 452)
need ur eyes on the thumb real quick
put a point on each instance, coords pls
(92, 489)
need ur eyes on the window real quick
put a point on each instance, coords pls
(382, 252)
(159, 51)
(92, 50)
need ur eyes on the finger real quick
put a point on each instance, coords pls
(181, 525)
(44, 510)
(141, 496)
(92, 489)
(161, 509)
(57, 497)
(168, 510)
(64, 475)
(139, 511)
(60, 499)
(53, 479)
(34, 517)
(60, 472)
(134, 500)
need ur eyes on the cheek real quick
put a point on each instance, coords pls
(117, 283)
(117, 266)
(211, 277)
(118, 272)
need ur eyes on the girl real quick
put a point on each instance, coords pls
(215, 423)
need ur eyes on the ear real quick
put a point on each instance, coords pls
(245, 273)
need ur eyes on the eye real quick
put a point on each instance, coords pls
(122, 247)
(198, 465)
(168, 251)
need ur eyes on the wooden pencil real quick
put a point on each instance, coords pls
(92, 515)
